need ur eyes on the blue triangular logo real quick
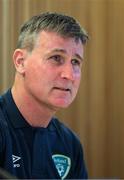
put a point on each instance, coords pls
(62, 163)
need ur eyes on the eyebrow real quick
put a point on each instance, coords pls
(65, 52)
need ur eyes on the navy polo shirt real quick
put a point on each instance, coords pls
(28, 152)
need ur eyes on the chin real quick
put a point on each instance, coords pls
(62, 104)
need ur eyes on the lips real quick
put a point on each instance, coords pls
(62, 89)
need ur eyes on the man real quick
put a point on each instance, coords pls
(48, 62)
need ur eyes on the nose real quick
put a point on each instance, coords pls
(68, 72)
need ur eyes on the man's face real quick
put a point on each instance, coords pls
(53, 70)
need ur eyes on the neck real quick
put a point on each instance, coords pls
(35, 113)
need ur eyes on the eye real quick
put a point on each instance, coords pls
(76, 62)
(57, 58)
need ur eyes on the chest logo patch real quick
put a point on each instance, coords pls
(62, 163)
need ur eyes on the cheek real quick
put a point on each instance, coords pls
(77, 83)
(39, 76)
(78, 76)
(32, 73)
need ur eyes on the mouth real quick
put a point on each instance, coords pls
(63, 89)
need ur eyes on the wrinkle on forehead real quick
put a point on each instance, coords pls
(55, 42)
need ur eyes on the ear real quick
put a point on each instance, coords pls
(18, 59)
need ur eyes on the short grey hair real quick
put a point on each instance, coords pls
(65, 26)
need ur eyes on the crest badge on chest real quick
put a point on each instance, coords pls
(62, 164)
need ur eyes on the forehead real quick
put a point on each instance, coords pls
(51, 41)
